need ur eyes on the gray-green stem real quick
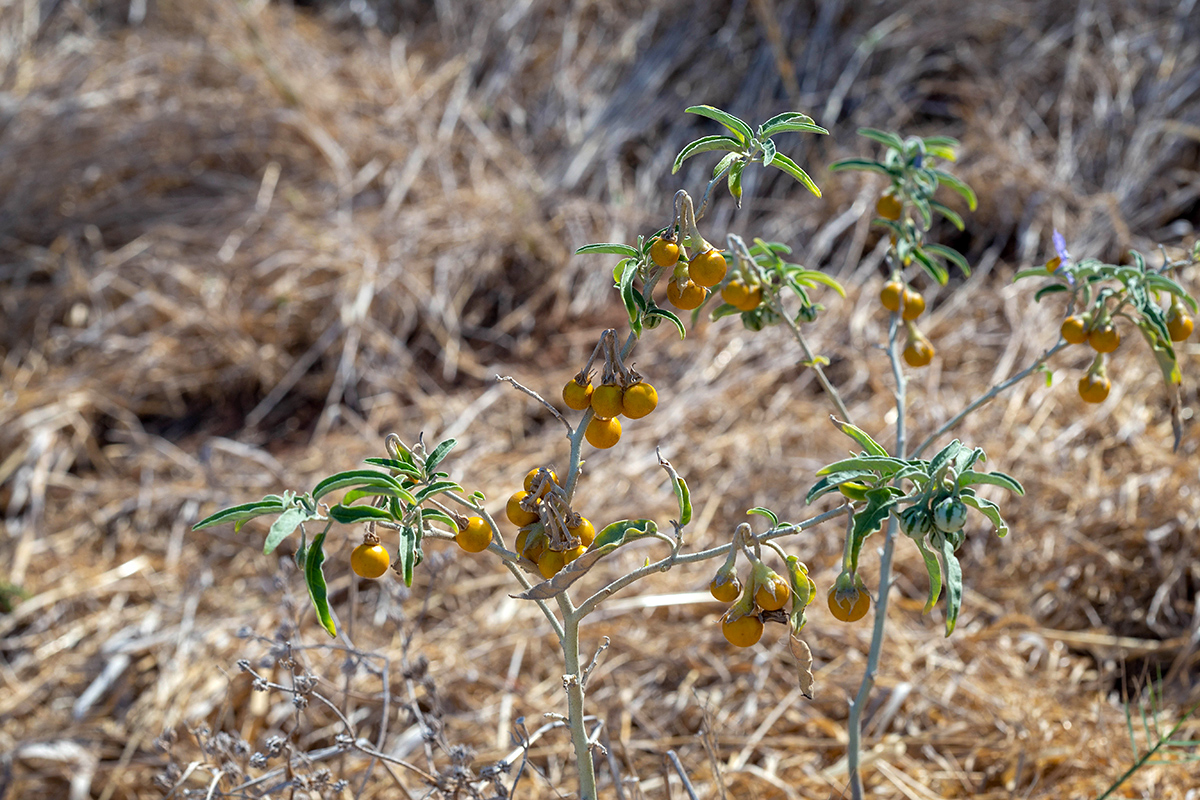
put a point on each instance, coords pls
(816, 367)
(854, 745)
(573, 683)
(987, 397)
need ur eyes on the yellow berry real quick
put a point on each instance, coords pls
(639, 400)
(475, 536)
(603, 433)
(369, 560)
(606, 400)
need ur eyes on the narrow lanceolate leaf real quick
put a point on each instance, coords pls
(314, 576)
(630, 297)
(271, 504)
(348, 515)
(959, 186)
(435, 515)
(862, 437)
(740, 128)
(804, 127)
(792, 168)
(883, 137)
(404, 467)
(935, 269)
(612, 248)
(948, 213)
(883, 465)
(282, 528)
(988, 508)
(1164, 283)
(809, 277)
(408, 553)
(864, 164)
(933, 568)
(723, 164)
(439, 453)
(706, 144)
(954, 587)
(768, 152)
(361, 478)
(880, 503)
(951, 255)
(669, 316)
(944, 457)
(437, 487)
(735, 182)
(971, 477)
(785, 117)
(766, 512)
(682, 494)
(941, 141)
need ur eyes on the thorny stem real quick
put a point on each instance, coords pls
(986, 397)
(854, 745)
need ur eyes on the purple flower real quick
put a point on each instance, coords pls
(1060, 247)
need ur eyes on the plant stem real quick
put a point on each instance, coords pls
(854, 745)
(573, 683)
(986, 397)
(812, 362)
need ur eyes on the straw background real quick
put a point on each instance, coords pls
(242, 241)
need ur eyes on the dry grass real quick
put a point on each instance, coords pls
(240, 242)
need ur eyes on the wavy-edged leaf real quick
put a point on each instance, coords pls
(725, 118)
(882, 465)
(971, 477)
(314, 577)
(361, 478)
(348, 515)
(287, 522)
(399, 466)
(766, 512)
(440, 452)
(769, 152)
(784, 163)
(240, 514)
(933, 568)
(987, 508)
(883, 137)
(954, 587)
(612, 248)
(862, 437)
(959, 186)
(870, 518)
(864, 164)
(707, 144)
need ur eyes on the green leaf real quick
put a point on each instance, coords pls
(630, 297)
(830, 483)
(988, 508)
(883, 465)
(1051, 288)
(315, 578)
(620, 533)
(662, 313)
(934, 569)
(735, 182)
(766, 512)
(725, 118)
(954, 587)
(399, 466)
(437, 515)
(436, 488)
(922, 206)
(804, 127)
(301, 554)
(1164, 283)
(792, 168)
(944, 457)
(786, 116)
(883, 137)
(704, 145)
(951, 255)
(941, 141)
(684, 496)
(869, 519)
(813, 276)
(970, 477)
(769, 152)
(864, 440)
(348, 515)
(723, 164)
(948, 213)
(724, 310)
(282, 528)
(864, 164)
(612, 248)
(959, 186)
(361, 477)
(439, 453)
(935, 270)
(271, 504)
(408, 552)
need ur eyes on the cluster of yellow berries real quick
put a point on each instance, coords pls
(608, 401)
(689, 283)
(370, 559)
(909, 304)
(551, 535)
(767, 592)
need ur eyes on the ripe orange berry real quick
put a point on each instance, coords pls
(891, 294)
(889, 207)
(743, 631)
(576, 396)
(850, 605)
(708, 268)
(773, 594)
(1094, 388)
(918, 353)
(664, 253)
(606, 400)
(574, 553)
(550, 562)
(532, 553)
(914, 304)
(741, 296)
(725, 588)
(687, 296)
(475, 536)
(532, 476)
(1104, 339)
(603, 433)
(639, 400)
(1179, 324)
(1074, 330)
(517, 514)
(369, 560)
(585, 530)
